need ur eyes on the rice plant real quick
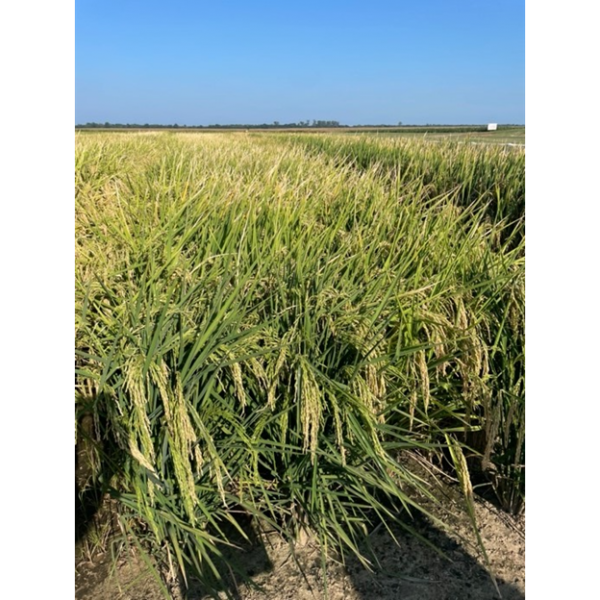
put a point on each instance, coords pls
(263, 329)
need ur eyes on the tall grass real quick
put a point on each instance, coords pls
(263, 330)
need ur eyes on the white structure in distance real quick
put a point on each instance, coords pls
(492, 126)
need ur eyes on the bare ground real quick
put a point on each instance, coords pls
(407, 570)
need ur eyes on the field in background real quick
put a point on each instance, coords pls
(504, 135)
(509, 135)
(269, 326)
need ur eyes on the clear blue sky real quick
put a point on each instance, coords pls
(376, 61)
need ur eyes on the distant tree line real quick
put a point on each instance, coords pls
(274, 125)
(277, 125)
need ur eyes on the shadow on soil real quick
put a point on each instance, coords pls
(90, 495)
(88, 499)
(413, 570)
(410, 570)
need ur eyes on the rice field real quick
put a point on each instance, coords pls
(269, 327)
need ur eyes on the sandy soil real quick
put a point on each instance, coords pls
(409, 570)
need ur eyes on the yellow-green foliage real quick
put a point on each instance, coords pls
(262, 323)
